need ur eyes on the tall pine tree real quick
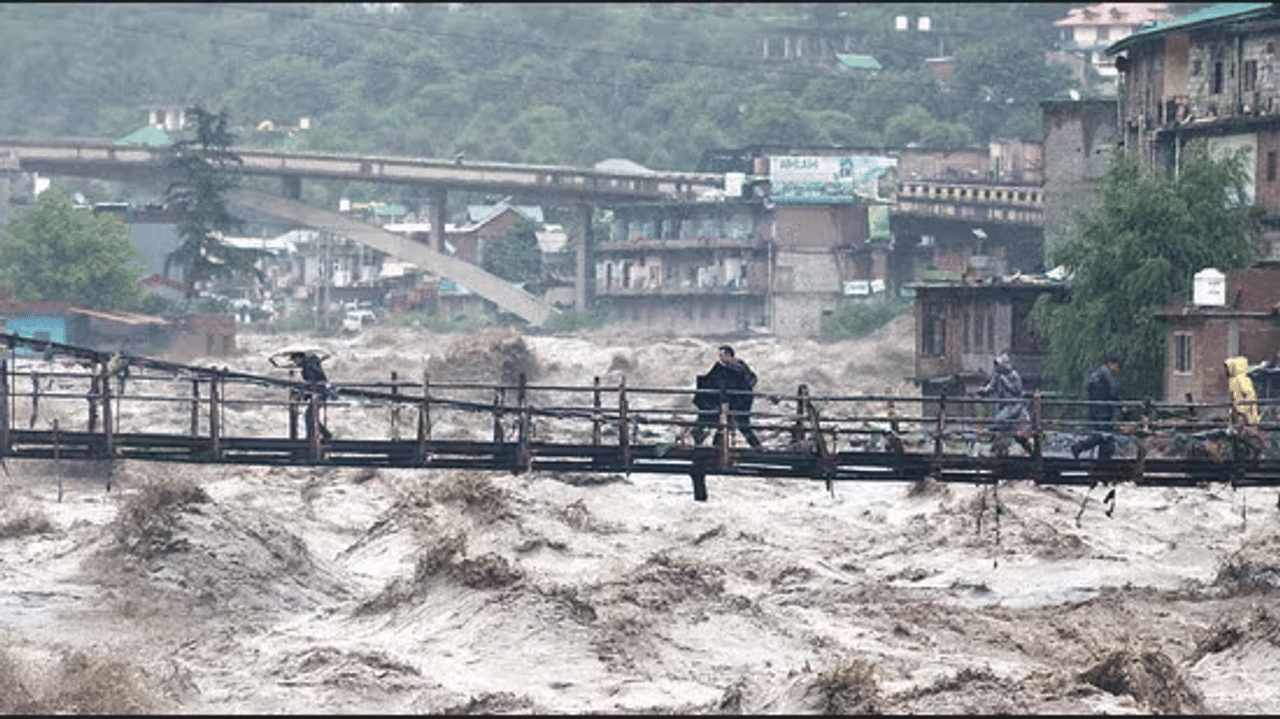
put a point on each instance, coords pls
(206, 170)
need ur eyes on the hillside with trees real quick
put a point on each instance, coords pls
(571, 83)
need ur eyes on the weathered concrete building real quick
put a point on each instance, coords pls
(1080, 140)
(961, 327)
(1211, 76)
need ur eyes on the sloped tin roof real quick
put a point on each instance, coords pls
(151, 136)
(858, 62)
(1204, 16)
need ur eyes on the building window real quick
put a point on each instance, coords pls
(933, 331)
(991, 330)
(968, 331)
(1104, 33)
(1068, 34)
(1217, 79)
(1196, 68)
(1023, 336)
(1250, 75)
(1271, 166)
(1182, 353)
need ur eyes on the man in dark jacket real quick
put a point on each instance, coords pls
(317, 384)
(1102, 386)
(731, 381)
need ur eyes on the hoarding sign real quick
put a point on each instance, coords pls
(832, 179)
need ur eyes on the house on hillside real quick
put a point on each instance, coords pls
(1086, 32)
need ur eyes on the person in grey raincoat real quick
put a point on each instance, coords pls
(1012, 419)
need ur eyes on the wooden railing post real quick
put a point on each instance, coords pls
(93, 402)
(722, 453)
(295, 398)
(624, 433)
(595, 414)
(195, 407)
(313, 426)
(941, 428)
(108, 442)
(498, 397)
(797, 430)
(424, 418)
(35, 399)
(4, 407)
(395, 407)
(215, 408)
(1037, 434)
(523, 457)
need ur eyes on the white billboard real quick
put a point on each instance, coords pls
(831, 179)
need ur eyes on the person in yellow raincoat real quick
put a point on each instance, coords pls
(1244, 400)
(1250, 440)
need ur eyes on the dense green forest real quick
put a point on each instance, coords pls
(563, 83)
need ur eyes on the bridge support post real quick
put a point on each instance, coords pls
(699, 476)
(291, 187)
(436, 197)
(581, 231)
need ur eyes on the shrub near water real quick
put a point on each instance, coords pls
(858, 318)
(79, 684)
(144, 525)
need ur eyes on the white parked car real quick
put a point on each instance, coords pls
(356, 320)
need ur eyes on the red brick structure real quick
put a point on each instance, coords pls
(1201, 337)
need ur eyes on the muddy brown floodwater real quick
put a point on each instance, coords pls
(232, 589)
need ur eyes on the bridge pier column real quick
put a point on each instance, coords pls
(9, 169)
(291, 187)
(581, 233)
(435, 207)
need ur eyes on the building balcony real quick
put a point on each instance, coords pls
(1009, 204)
(696, 243)
(687, 289)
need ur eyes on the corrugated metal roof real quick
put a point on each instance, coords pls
(858, 62)
(1205, 16)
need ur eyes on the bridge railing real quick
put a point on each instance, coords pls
(101, 398)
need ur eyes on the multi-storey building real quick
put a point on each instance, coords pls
(697, 268)
(1211, 76)
(793, 235)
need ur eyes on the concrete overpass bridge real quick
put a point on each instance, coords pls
(580, 188)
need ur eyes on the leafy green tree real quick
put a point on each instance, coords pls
(207, 169)
(60, 253)
(1136, 250)
(515, 257)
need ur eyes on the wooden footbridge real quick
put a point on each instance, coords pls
(62, 402)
